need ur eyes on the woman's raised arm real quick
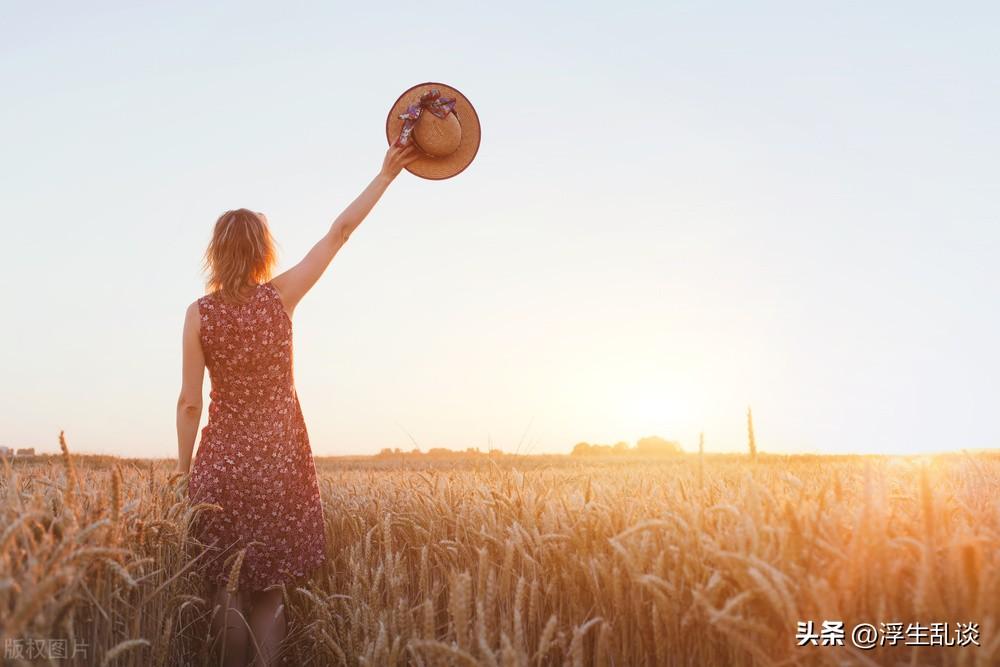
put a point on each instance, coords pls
(293, 284)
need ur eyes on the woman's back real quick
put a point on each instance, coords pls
(254, 460)
(247, 347)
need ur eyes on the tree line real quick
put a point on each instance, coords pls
(652, 445)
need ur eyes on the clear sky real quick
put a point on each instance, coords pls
(678, 209)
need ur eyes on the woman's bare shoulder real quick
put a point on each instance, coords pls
(192, 316)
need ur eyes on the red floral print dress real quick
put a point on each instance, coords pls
(254, 460)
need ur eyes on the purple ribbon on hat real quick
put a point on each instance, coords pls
(430, 101)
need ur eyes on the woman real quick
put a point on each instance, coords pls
(254, 460)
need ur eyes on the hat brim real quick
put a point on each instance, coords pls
(438, 168)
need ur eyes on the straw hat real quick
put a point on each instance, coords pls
(441, 122)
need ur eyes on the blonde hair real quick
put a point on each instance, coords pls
(241, 253)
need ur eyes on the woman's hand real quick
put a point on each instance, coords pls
(398, 157)
(179, 482)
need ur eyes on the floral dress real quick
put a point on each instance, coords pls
(254, 460)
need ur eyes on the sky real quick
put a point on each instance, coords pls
(678, 210)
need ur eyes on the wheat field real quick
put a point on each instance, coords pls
(526, 561)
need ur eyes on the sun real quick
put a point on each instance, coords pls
(655, 410)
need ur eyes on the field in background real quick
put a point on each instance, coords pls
(529, 561)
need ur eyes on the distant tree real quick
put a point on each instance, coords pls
(650, 446)
(654, 445)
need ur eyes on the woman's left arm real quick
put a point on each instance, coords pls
(293, 284)
(190, 401)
